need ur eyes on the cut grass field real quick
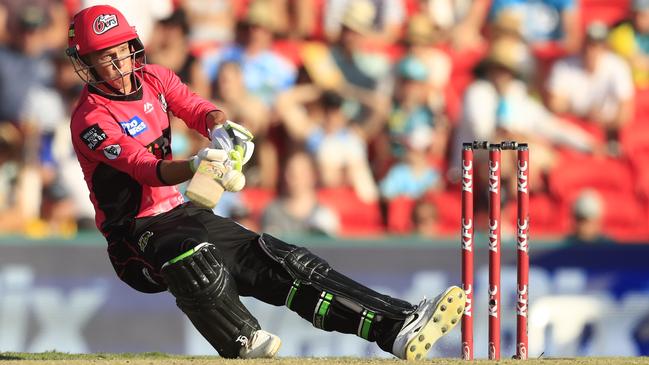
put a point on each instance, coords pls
(57, 358)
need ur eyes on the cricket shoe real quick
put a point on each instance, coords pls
(431, 320)
(262, 345)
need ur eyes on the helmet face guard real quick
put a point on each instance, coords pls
(90, 76)
(97, 28)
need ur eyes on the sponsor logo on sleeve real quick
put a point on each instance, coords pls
(112, 151)
(104, 23)
(93, 136)
(134, 127)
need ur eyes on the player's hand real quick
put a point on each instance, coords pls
(220, 168)
(236, 140)
(209, 154)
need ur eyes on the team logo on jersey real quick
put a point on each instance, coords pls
(93, 136)
(104, 23)
(112, 151)
(134, 126)
(163, 102)
(148, 108)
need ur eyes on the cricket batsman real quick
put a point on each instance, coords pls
(157, 242)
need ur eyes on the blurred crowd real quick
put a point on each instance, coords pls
(359, 109)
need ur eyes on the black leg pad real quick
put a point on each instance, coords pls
(310, 269)
(206, 292)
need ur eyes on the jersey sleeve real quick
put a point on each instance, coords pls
(184, 103)
(98, 138)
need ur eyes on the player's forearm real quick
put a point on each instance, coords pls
(174, 172)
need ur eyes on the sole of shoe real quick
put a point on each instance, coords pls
(446, 315)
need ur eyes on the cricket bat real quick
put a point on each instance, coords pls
(203, 189)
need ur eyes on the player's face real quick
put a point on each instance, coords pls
(114, 65)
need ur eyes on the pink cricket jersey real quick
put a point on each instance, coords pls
(120, 142)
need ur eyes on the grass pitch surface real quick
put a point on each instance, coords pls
(57, 358)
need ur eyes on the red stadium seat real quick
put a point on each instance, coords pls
(256, 199)
(607, 11)
(290, 50)
(604, 174)
(449, 211)
(625, 216)
(448, 207)
(357, 218)
(400, 215)
(549, 218)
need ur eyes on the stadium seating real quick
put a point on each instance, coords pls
(256, 199)
(358, 218)
(572, 175)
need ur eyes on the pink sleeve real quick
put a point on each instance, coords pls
(99, 139)
(184, 103)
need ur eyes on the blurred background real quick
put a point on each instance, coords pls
(359, 109)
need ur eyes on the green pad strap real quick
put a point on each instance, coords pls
(291, 294)
(185, 254)
(322, 309)
(367, 317)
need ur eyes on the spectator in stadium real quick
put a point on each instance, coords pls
(212, 22)
(498, 102)
(340, 152)
(497, 106)
(587, 215)
(385, 17)
(24, 61)
(45, 114)
(156, 242)
(414, 176)
(595, 85)
(230, 93)
(423, 42)
(413, 107)
(425, 218)
(19, 198)
(169, 47)
(545, 22)
(297, 211)
(459, 23)
(265, 72)
(48, 20)
(347, 49)
(630, 39)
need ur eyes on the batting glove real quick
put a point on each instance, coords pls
(209, 154)
(221, 168)
(236, 140)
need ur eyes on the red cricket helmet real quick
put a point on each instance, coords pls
(98, 27)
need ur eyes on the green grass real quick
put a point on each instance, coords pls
(156, 358)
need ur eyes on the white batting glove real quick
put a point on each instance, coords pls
(236, 140)
(221, 168)
(209, 154)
